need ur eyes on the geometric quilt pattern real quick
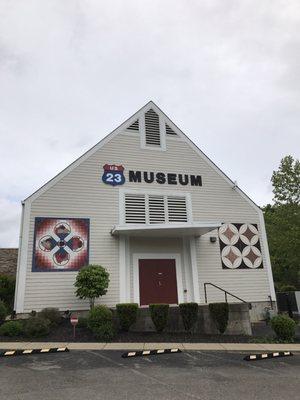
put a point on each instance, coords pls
(240, 246)
(60, 244)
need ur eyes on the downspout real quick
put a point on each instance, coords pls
(19, 256)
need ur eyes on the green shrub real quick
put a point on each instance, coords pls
(189, 314)
(284, 327)
(3, 311)
(127, 314)
(287, 288)
(82, 322)
(37, 327)
(91, 282)
(100, 322)
(104, 332)
(159, 315)
(219, 313)
(11, 328)
(52, 314)
(7, 291)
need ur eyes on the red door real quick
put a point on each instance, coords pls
(158, 282)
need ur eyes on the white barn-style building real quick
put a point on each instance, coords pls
(156, 212)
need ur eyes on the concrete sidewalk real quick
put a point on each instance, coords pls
(149, 346)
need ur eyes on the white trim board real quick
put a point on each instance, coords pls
(136, 284)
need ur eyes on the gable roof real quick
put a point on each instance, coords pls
(121, 128)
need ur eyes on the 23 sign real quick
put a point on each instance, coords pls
(113, 174)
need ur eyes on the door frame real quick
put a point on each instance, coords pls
(170, 256)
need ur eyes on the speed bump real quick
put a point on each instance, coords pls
(10, 353)
(149, 352)
(255, 357)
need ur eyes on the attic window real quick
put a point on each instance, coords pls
(134, 126)
(152, 131)
(169, 131)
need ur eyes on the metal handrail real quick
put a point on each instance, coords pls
(226, 293)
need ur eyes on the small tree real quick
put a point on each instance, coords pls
(91, 282)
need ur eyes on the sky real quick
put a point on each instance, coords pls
(225, 71)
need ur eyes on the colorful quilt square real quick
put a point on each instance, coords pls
(60, 244)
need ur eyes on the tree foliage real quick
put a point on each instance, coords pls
(91, 282)
(283, 229)
(286, 182)
(7, 291)
(283, 223)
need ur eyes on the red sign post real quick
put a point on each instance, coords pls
(74, 322)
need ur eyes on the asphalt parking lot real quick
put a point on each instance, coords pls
(85, 375)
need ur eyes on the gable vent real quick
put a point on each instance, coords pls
(134, 126)
(156, 209)
(135, 210)
(177, 210)
(152, 128)
(169, 131)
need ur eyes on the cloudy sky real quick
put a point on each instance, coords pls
(225, 71)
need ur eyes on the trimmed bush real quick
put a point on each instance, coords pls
(100, 322)
(52, 314)
(11, 328)
(3, 311)
(37, 327)
(127, 314)
(82, 322)
(159, 315)
(219, 313)
(284, 327)
(7, 291)
(189, 315)
(104, 332)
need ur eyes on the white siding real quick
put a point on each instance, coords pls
(81, 193)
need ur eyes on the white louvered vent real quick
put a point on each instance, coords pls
(156, 209)
(135, 209)
(152, 128)
(177, 210)
(134, 126)
(169, 131)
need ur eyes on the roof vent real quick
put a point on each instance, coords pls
(134, 126)
(152, 128)
(169, 131)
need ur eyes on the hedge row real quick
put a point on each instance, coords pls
(100, 320)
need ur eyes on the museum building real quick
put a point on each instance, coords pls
(148, 205)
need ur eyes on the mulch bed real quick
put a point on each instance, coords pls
(64, 333)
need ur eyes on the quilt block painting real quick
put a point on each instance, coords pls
(60, 244)
(240, 246)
